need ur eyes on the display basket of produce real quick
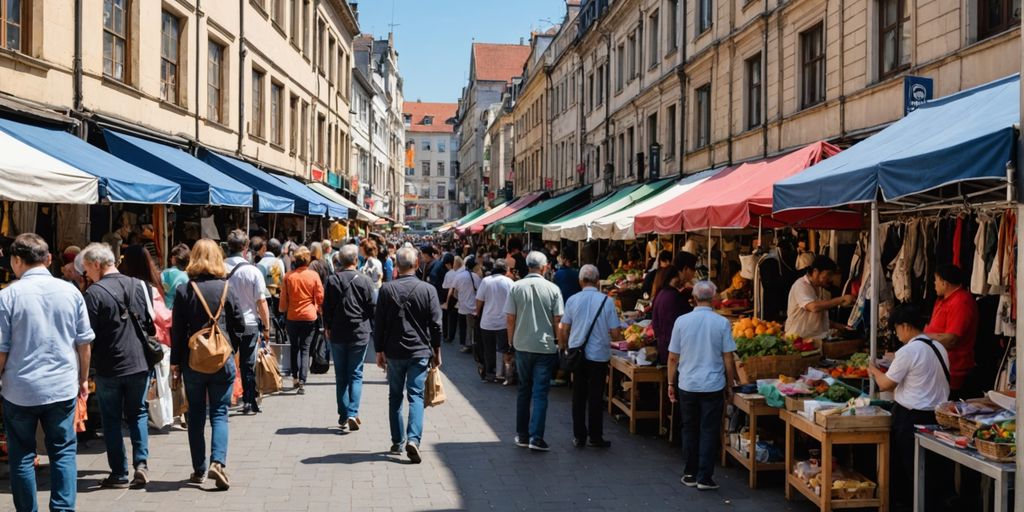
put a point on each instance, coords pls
(997, 442)
(947, 415)
(968, 426)
(765, 353)
(999, 452)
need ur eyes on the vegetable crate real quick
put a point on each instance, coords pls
(770, 367)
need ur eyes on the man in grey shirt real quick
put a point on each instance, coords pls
(250, 288)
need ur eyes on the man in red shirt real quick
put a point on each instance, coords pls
(954, 323)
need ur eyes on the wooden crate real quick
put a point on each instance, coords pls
(840, 422)
(841, 349)
(795, 404)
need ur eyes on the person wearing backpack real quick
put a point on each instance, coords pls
(208, 324)
(250, 289)
(122, 372)
(348, 314)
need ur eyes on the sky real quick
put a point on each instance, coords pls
(433, 37)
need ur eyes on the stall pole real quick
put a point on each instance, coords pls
(305, 222)
(248, 218)
(1018, 498)
(708, 263)
(875, 264)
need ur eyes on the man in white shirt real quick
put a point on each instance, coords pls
(808, 309)
(490, 309)
(250, 289)
(466, 284)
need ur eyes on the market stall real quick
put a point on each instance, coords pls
(577, 228)
(542, 212)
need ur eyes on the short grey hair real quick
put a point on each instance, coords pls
(99, 253)
(704, 291)
(590, 274)
(348, 255)
(407, 258)
(536, 260)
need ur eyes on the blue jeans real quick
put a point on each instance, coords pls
(535, 374)
(348, 377)
(218, 387)
(702, 431)
(58, 421)
(406, 377)
(247, 358)
(124, 398)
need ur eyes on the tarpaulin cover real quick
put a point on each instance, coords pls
(538, 227)
(496, 214)
(542, 212)
(318, 203)
(579, 227)
(361, 213)
(200, 183)
(619, 225)
(271, 196)
(28, 174)
(119, 181)
(470, 216)
(962, 137)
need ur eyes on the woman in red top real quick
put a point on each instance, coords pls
(954, 323)
(302, 293)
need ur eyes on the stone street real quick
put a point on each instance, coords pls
(293, 457)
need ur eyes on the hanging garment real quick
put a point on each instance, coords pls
(957, 237)
(979, 276)
(995, 275)
(902, 267)
(991, 246)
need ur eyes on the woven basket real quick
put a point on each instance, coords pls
(947, 420)
(999, 452)
(770, 367)
(840, 349)
(968, 427)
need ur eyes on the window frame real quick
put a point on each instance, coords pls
(217, 106)
(705, 17)
(985, 30)
(812, 67)
(654, 39)
(673, 24)
(24, 26)
(276, 113)
(425, 168)
(896, 27)
(125, 38)
(257, 90)
(754, 90)
(702, 116)
(170, 71)
(669, 148)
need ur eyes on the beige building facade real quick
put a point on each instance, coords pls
(530, 171)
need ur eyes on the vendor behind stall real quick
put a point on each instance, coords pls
(954, 324)
(808, 309)
(919, 378)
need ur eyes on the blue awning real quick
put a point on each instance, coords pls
(298, 188)
(271, 194)
(968, 136)
(119, 181)
(200, 183)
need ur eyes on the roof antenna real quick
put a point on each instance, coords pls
(392, 25)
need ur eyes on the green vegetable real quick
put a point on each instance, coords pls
(763, 345)
(838, 393)
(859, 360)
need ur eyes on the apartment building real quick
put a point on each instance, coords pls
(499, 145)
(562, 118)
(530, 172)
(430, 180)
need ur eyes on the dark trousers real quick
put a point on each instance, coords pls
(588, 383)
(488, 348)
(300, 334)
(247, 360)
(451, 320)
(702, 431)
(901, 455)
(460, 327)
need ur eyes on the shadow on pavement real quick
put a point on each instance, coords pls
(298, 431)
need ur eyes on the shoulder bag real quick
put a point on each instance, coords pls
(574, 357)
(145, 330)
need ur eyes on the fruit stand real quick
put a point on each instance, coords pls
(1002, 473)
(629, 377)
(755, 407)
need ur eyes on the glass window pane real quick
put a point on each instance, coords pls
(13, 38)
(14, 11)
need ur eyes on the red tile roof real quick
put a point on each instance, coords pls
(499, 62)
(441, 112)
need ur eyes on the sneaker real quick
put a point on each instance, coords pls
(295, 383)
(112, 482)
(707, 485)
(219, 476)
(352, 424)
(246, 409)
(521, 443)
(301, 389)
(538, 445)
(413, 452)
(599, 443)
(141, 477)
(342, 423)
(396, 449)
(579, 443)
(197, 478)
(509, 382)
(255, 408)
(688, 480)
(466, 350)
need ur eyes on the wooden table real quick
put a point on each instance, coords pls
(754, 405)
(622, 369)
(1001, 473)
(877, 436)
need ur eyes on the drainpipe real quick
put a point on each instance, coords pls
(764, 84)
(609, 152)
(241, 74)
(199, 14)
(842, 68)
(681, 73)
(77, 83)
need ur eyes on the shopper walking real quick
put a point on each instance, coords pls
(449, 301)
(45, 351)
(174, 275)
(533, 309)
(702, 348)
(407, 337)
(348, 315)
(590, 323)
(317, 263)
(301, 298)
(467, 282)
(249, 289)
(207, 297)
(490, 309)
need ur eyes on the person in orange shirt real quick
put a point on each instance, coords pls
(302, 294)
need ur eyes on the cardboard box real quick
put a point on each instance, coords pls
(880, 420)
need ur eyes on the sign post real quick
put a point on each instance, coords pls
(916, 91)
(654, 161)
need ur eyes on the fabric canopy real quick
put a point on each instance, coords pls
(470, 216)
(327, 192)
(200, 183)
(477, 225)
(119, 181)
(28, 174)
(619, 225)
(537, 227)
(542, 212)
(963, 137)
(318, 204)
(578, 227)
(271, 195)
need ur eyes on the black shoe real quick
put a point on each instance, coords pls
(255, 408)
(413, 452)
(688, 480)
(141, 477)
(521, 442)
(112, 482)
(538, 445)
(246, 409)
(466, 350)
(396, 449)
(599, 443)
(707, 485)
(579, 443)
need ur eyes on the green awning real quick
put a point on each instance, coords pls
(543, 212)
(576, 226)
(470, 216)
(538, 227)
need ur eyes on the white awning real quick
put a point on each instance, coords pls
(28, 174)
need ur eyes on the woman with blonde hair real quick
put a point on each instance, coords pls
(207, 291)
(302, 294)
(371, 265)
(318, 263)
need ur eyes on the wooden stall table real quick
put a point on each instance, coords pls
(1001, 473)
(878, 436)
(754, 405)
(622, 369)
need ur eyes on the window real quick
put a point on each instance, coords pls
(893, 37)
(428, 120)
(440, 191)
(13, 31)
(305, 28)
(277, 12)
(620, 67)
(296, 15)
(654, 35)
(673, 25)
(276, 113)
(115, 39)
(425, 146)
(995, 16)
(600, 85)
(304, 131)
(321, 136)
(293, 132)
(669, 148)
(214, 82)
(753, 100)
(256, 123)
(425, 165)
(440, 168)
(441, 147)
(812, 64)
(320, 56)
(170, 32)
(703, 15)
(590, 95)
(632, 57)
(703, 116)
(330, 59)
(630, 151)
(406, 118)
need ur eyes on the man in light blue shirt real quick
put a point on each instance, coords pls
(589, 313)
(702, 348)
(45, 349)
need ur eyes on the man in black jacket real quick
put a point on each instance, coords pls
(348, 312)
(408, 341)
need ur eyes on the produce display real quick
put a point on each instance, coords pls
(1004, 432)
(854, 368)
(748, 328)
(839, 393)
(639, 335)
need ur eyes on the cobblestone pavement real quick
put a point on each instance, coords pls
(293, 457)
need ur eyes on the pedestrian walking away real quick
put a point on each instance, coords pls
(249, 288)
(490, 309)
(301, 297)
(466, 284)
(407, 338)
(348, 318)
(533, 310)
(45, 347)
